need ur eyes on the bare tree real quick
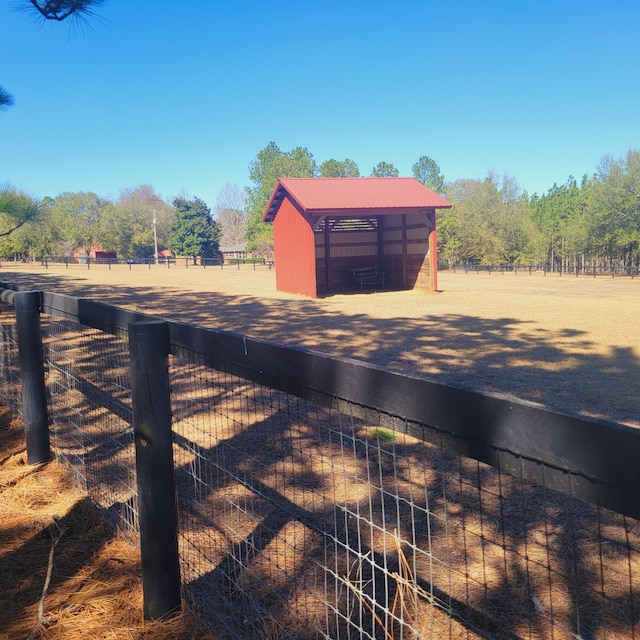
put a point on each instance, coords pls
(231, 216)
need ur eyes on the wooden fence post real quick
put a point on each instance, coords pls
(34, 392)
(157, 501)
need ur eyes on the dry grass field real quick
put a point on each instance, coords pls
(569, 343)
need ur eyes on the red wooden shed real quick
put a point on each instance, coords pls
(325, 228)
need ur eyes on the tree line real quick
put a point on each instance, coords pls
(133, 225)
(272, 163)
(492, 221)
(593, 222)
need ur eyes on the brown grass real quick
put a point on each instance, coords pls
(48, 529)
(569, 343)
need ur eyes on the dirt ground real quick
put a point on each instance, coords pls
(570, 343)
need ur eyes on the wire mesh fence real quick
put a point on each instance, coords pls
(305, 515)
(90, 411)
(9, 365)
(304, 521)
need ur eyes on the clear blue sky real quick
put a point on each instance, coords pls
(183, 95)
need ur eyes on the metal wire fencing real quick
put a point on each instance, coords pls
(309, 510)
(9, 365)
(90, 411)
(305, 521)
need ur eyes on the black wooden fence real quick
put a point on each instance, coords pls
(87, 262)
(326, 497)
(576, 269)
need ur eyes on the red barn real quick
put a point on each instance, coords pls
(96, 252)
(328, 229)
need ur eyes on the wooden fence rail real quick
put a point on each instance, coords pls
(593, 460)
(613, 271)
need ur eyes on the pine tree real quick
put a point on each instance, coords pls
(194, 232)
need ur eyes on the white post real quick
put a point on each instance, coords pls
(155, 237)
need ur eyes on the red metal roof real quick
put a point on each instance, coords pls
(346, 196)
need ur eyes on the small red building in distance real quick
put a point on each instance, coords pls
(96, 252)
(327, 229)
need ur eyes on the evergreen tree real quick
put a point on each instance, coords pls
(384, 170)
(16, 209)
(560, 216)
(346, 168)
(6, 99)
(194, 232)
(614, 208)
(427, 172)
(60, 10)
(270, 164)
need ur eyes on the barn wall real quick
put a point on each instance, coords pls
(293, 251)
(347, 244)
(423, 275)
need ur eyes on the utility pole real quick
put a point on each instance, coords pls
(155, 236)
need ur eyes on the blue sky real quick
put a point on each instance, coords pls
(184, 97)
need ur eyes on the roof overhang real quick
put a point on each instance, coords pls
(274, 203)
(305, 200)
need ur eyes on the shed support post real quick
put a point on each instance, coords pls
(404, 250)
(433, 251)
(327, 257)
(34, 392)
(157, 500)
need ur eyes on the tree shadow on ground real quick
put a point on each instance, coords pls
(81, 533)
(506, 355)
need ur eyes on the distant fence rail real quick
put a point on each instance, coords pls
(593, 271)
(87, 262)
(321, 497)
